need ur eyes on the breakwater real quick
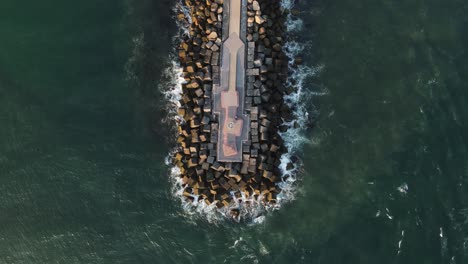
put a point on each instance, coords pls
(232, 108)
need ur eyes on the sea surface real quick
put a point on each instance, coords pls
(85, 130)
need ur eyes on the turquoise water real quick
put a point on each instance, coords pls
(82, 142)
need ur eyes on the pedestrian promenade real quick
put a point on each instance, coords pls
(228, 99)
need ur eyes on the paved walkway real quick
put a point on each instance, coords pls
(228, 100)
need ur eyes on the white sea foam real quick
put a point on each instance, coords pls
(171, 88)
(287, 4)
(184, 27)
(299, 101)
(403, 188)
(251, 209)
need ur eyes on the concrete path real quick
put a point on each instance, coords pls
(228, 99)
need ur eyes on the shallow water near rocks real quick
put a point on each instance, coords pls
(83, 142)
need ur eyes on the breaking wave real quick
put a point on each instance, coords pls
(172, 91)
(298, 99)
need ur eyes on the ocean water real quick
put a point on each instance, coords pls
(84, 134)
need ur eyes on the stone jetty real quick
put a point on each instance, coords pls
(232, 107)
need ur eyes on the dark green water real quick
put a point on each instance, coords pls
(82, 147)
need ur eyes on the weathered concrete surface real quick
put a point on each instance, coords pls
(228, 99)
